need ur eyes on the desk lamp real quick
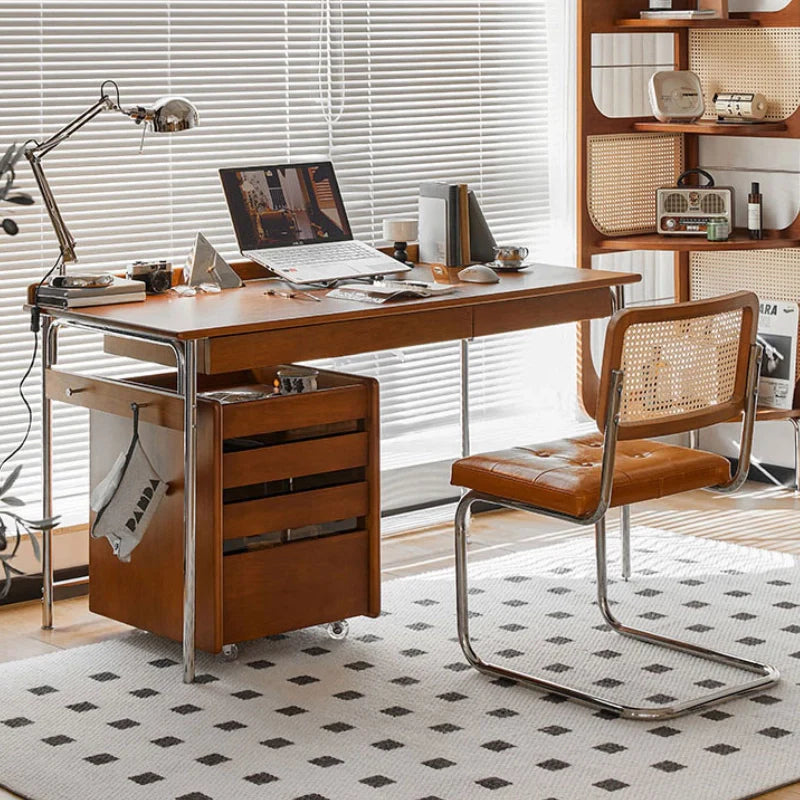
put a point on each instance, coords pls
(166, 115)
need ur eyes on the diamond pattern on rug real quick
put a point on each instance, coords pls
(394, 711)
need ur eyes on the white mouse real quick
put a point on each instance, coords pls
(478, 273)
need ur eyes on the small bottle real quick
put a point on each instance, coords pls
(755, 227)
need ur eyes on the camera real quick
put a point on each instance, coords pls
(156, 275)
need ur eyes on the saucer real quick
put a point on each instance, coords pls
(500, 266)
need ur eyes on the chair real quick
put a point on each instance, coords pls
(666, 370)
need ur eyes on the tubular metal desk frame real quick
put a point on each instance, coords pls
(126, 324)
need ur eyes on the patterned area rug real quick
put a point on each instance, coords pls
(393, 712)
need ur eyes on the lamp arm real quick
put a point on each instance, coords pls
(38, 151)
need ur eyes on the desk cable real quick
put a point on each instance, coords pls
(27, 373)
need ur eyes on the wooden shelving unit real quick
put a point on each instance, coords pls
(621, 161)
(739, 240)
(651, 25)
(701, 128)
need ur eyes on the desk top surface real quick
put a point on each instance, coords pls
(249, 310)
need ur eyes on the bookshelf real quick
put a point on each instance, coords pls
(622, 160)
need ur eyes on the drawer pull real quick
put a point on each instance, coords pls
(70, 391)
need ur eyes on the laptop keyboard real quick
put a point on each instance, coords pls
(302, 256)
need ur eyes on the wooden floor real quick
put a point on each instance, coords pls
(755, 516)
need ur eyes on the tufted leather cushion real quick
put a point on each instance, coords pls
(564, 475)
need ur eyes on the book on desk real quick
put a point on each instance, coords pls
(122, 290)
(452, 228)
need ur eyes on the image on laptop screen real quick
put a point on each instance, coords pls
(285, 205)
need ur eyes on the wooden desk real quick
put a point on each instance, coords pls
(243, 328)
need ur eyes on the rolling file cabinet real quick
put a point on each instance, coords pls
(288, 517)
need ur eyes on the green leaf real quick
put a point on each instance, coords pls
(35, 546)
(10, 480)
(42, 524)
(10, 500)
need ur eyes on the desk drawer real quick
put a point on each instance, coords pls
(537, 312)
(295, 585)
(326, 406)
(295, 459)
(295, 510)
(337, 339)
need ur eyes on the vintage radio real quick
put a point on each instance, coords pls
(686, 210)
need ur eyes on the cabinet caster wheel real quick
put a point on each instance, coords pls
(338, 630)
(230, 652)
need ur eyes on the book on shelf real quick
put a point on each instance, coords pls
(777, 334)
(452, 229)
(702, 13)
(122, 290)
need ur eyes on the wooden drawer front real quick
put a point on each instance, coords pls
(253, 517)
(294, 411)
(140, 350)
(157, 406)
(294, 460)
(226, 353)
(295, 585)
(536, 312)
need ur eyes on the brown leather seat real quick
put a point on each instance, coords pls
(564, 475)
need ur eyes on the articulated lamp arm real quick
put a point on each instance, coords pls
(166, 115)
(38, 151)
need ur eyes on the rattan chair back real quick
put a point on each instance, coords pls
(684, 366)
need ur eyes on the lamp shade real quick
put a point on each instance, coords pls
(172, 114)
(399, 229)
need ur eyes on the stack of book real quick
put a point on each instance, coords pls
(452, 228)
(702, 13)
(122, 290)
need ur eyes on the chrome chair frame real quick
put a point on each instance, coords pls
(767, 675)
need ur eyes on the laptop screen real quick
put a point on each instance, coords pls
(285, 205)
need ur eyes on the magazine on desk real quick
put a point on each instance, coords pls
(384, 291)
(777, 334)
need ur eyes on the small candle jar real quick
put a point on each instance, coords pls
(717, 231)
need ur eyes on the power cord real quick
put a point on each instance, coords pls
(26, 375)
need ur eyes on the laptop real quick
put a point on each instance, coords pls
(291, 219)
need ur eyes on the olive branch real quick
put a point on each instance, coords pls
(19, 526)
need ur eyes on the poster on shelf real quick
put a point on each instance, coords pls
(777, 334)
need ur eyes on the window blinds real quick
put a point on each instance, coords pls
(395, 93)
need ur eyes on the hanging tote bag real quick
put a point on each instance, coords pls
(125, 501)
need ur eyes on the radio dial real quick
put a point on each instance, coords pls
(670, 224)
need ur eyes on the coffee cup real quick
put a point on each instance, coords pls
(510, 256)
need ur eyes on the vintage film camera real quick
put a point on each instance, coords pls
(156, 275)
(686, 210)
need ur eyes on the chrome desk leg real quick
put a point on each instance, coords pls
(466, 447)
(694, 439)
(625, 533)
(49, 333)
(187, 366)
(464, 373)
(619, 297)
(768, 675)
(796, 426)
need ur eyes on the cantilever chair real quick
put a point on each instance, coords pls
(666, 370)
